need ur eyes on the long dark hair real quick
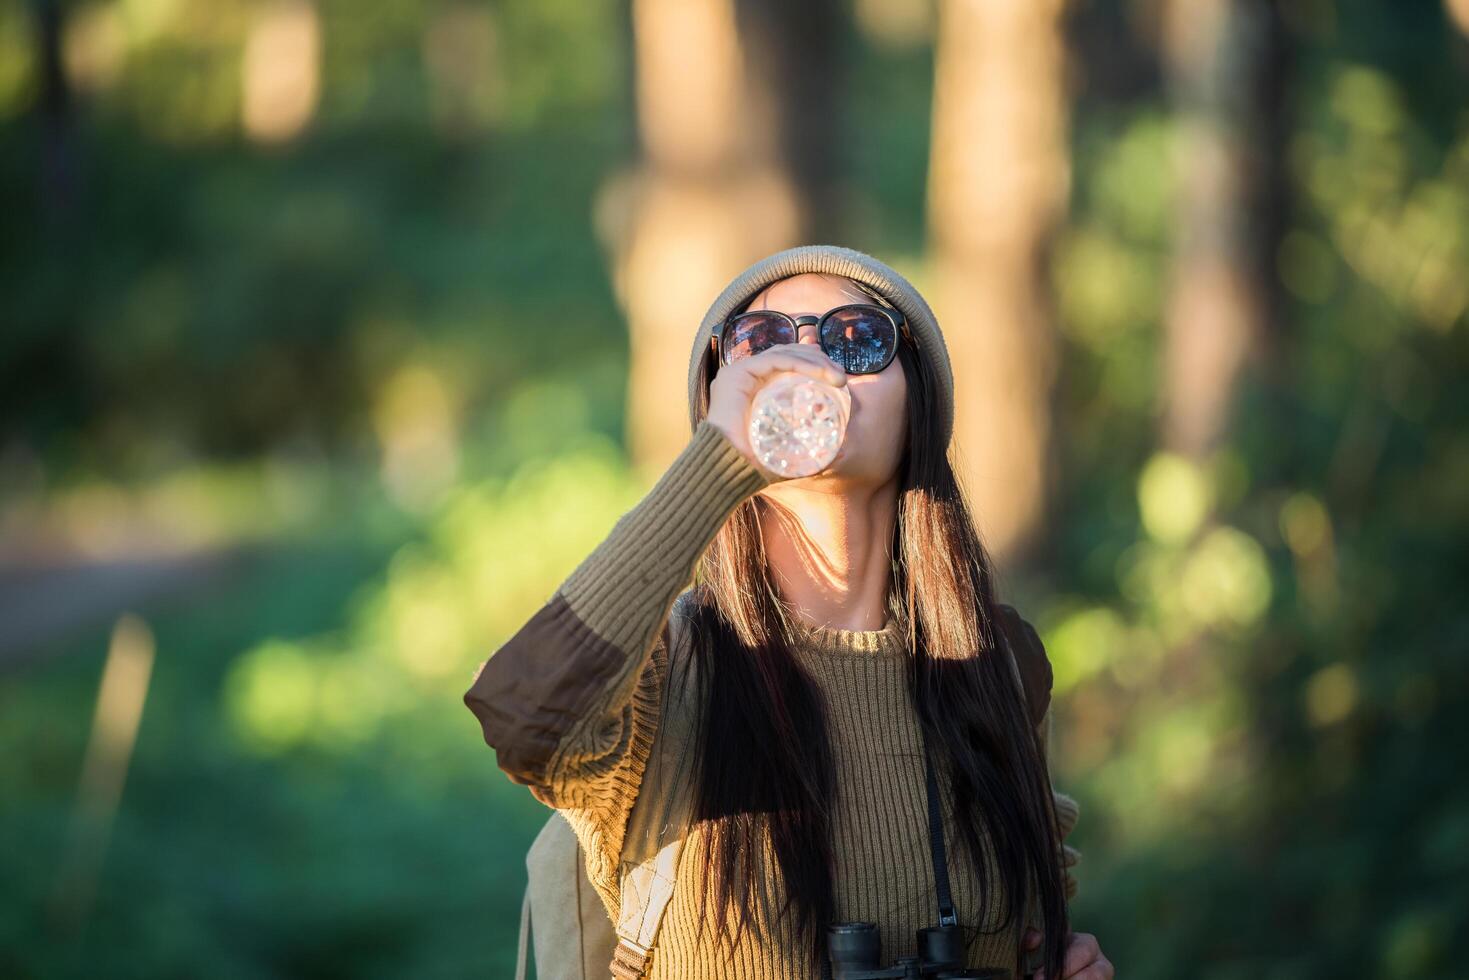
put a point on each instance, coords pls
(765, 776)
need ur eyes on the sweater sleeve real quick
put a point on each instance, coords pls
(570, 703)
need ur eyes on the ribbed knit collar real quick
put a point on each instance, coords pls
(830, 641)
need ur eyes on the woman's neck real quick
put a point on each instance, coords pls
(828, 548)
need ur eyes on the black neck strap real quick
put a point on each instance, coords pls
(947, 915)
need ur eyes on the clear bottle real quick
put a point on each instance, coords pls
(797, 424)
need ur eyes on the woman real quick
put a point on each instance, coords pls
(776, 716)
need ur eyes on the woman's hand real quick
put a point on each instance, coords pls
(734, 386)
(1083, 961)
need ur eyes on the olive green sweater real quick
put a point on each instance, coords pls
(591, 705)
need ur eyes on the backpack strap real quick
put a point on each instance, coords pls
(1032, 670)
(646, 891)
(659, 833)
(1028, 660)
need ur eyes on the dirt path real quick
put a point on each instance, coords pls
(42, 602)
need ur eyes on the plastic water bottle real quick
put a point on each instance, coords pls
(797, 424)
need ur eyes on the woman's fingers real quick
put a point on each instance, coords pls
(808, 359)
(734, 386)
(1100, 970)
(1083, 956)
(1082, 952)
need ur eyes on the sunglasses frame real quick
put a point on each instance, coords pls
(894, 316)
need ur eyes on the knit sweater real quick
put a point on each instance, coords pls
(592, 705)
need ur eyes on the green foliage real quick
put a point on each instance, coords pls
(1259, 659)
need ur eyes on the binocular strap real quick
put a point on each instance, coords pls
(947, 915)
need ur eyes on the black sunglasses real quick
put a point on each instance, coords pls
(861, 337)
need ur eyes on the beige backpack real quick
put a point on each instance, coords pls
(574, 939)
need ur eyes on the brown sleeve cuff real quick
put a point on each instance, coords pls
(538, 686)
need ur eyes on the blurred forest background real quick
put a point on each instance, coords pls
(333, 335)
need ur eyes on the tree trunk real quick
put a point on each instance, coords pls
(709, 197)
(1222, 61)
(795, 55)
(998, 184)
(57, 178)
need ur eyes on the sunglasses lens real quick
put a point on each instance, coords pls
(859, 338)
(752, 333)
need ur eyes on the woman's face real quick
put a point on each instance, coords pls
(878, 425)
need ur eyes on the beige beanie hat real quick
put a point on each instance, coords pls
(840, 261)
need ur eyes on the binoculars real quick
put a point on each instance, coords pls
(855, 948)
